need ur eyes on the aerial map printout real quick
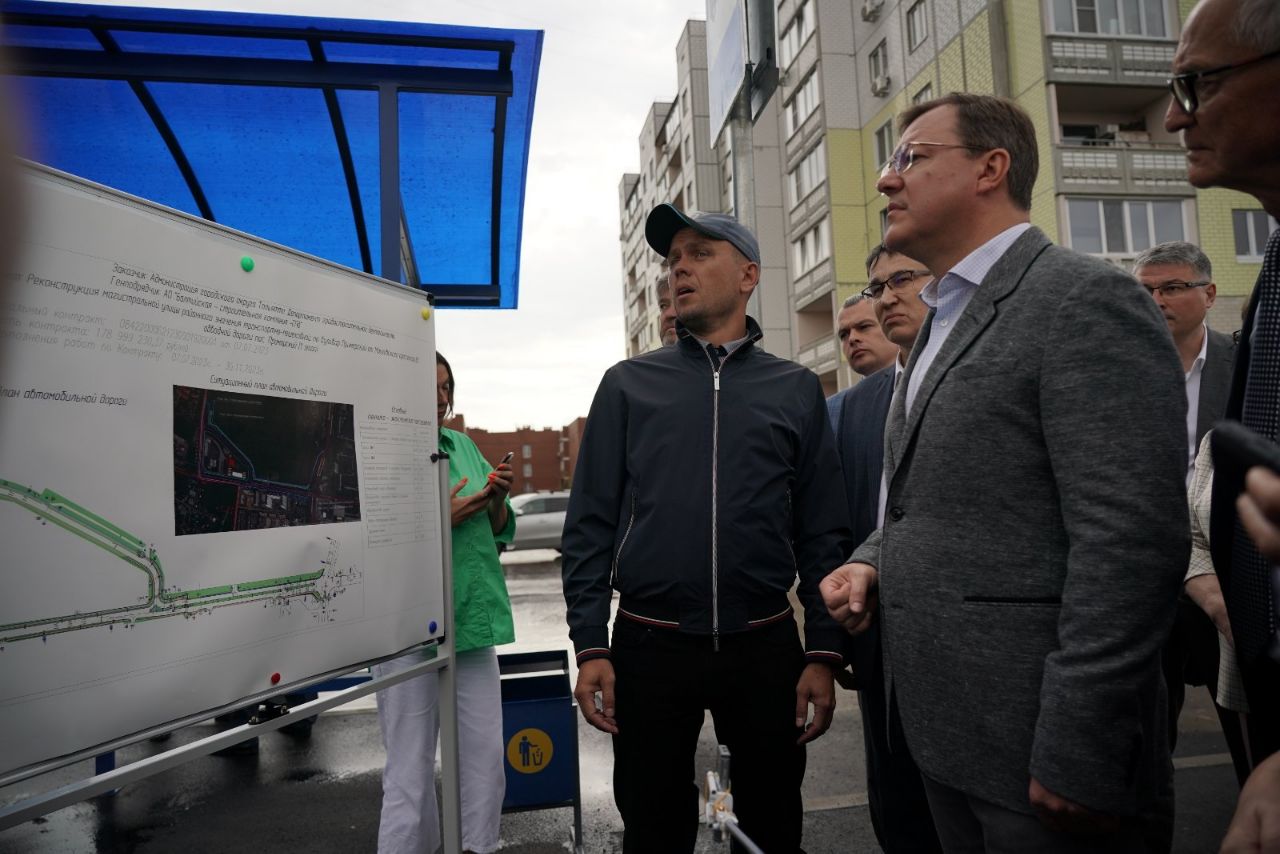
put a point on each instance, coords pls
(215, 471)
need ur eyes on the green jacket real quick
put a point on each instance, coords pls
(481, 607)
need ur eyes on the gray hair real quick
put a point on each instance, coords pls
(852, 301)
(1175, 252)
(1256, 24)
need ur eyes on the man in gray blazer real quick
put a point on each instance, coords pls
(895, 793)
(1036, 534)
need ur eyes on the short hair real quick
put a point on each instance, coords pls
(1256, 24)
(664, 284)
(1175, 252)
(851, 301)
(873, 257)
(986, 122)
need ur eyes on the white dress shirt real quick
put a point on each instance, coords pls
(949, 295)
(1193, 401)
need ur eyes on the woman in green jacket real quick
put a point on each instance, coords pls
(409, 711)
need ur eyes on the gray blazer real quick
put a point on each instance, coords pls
(1036, 537)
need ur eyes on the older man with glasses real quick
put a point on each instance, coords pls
(1226, 72)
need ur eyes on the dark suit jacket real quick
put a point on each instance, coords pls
(1037, 536)
(1193, 649)
(1215, 382)
(859, 425)
(1228, 482)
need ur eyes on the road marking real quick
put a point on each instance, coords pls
(1207, 760)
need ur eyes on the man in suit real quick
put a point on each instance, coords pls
(1036, 533)
(1231, 145)
(1179, 278)
(899, 810)
(1226, 64)
(863, 343)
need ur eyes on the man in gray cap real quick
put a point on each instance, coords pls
(706, 480)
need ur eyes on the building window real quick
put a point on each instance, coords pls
(884, 221)
(884, 143)
(802, 104)
(1122, 226)
(528, 470)
(812, 247)
(1111, 17)
(527, 451)
(925, 94)
(1252, 228)
(795, 35)
(879, 61)
(917, 24)
(808, 174)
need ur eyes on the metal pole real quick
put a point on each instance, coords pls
(389, 183)
(450, 797)
(17, 813)
(743, 165)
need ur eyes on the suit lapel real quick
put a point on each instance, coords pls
(1000, 281)
(1215, 383)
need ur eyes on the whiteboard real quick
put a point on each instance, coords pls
(215, 472)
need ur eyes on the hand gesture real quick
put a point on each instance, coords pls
(464, 508)
(851, 593)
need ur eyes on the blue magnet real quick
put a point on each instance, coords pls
(431, 627)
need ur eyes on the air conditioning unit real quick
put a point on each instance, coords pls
(880, 86)
(871, 9)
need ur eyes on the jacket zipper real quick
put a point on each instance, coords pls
(618, 555)
(715, 470)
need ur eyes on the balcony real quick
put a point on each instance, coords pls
(813, 284)
(820, 356)
(1113, 167)
(1126, 62)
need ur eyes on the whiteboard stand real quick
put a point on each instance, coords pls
(450, 799)
(109, 780)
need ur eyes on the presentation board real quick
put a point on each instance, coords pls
(215, 470)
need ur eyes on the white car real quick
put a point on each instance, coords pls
(539, 519)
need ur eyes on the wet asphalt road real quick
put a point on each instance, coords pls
(322, 794)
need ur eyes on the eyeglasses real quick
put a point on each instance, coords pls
(1184, 86)
(1174, 287)
(875, 289)
(904, 155)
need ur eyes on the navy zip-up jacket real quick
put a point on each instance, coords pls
(700, 494)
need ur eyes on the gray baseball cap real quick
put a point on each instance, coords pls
(664, 221)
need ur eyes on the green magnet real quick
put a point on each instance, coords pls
(246, 264)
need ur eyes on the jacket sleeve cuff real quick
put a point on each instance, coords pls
(824, 644)
(591, 643)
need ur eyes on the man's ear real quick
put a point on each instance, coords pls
(995, 170)
(1210, 295)
(750, 277)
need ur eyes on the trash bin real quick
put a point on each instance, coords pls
(540, 730)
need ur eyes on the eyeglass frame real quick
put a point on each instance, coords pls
(911, 157)
(1188, 80)
(1181, 285)
(874, 290)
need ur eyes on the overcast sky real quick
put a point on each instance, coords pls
(603, 64)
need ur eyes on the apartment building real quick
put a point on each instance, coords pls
(677, 165)
(1091, 73)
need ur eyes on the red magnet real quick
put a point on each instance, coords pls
(275, 678)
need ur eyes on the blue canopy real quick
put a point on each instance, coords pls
(310, 132)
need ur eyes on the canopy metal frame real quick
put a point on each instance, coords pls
(139, 69)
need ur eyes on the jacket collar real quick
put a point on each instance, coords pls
(1001, 280)
(689, 343)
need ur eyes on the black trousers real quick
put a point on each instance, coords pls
(666, 681)
(895, 790)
